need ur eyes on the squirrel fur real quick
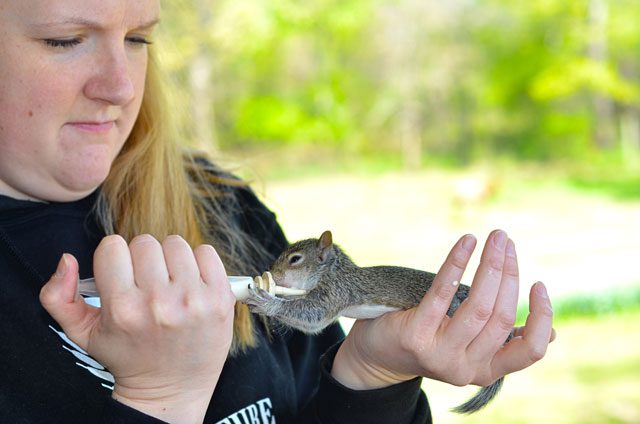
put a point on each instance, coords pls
(338, 287)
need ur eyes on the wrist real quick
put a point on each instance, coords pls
(352, 369)
(179, 407)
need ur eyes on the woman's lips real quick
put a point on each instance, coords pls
(93, 127)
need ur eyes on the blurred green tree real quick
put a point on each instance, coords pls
(461, 79)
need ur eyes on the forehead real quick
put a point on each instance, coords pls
(104, 13)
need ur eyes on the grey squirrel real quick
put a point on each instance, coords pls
(338, 287)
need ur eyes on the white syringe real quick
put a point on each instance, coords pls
(241, 287)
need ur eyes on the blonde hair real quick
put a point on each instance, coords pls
(159, 187)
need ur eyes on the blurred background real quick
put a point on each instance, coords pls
(402, 124)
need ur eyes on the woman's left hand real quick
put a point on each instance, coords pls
(465, 349)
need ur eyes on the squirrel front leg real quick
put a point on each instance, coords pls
(305, 314)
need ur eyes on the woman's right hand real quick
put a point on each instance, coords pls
(165, 325)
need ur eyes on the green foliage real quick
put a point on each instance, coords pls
(277, 120)
(620, 187)
(604, 303)
(567, 79)
(543, 80)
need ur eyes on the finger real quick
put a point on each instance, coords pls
(112, 267)
(60, 298)
(433, 307)
(500, 325)
(212, 272)
(147, 257)
(531, 346)
(476, 311)
(209, 264)
(519, 331)
(181, 264)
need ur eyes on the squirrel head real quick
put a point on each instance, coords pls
(304, 262)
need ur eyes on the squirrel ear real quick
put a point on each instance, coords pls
(326, 240)
(325, 244)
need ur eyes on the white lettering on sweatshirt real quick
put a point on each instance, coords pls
(256, 413)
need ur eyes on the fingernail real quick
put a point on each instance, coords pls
(500, 239)
(510, 249)
(63, 266)
(541, 290)
(468, 242)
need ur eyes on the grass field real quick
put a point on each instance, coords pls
(576, 242)
(590, 375)
(582, 243)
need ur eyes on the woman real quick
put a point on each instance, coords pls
(90, 166)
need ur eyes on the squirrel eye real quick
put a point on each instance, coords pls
(295, 258)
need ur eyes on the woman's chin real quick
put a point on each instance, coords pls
(79, 184)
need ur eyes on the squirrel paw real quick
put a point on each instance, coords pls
(263, 303)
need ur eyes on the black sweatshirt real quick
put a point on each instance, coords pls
(46, 378)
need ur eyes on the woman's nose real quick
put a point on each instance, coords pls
(111, 81)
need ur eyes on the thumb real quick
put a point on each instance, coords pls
(59, 296)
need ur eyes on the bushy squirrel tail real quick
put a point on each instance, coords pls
(481, 398)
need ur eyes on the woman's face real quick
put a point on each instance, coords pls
(72, 77)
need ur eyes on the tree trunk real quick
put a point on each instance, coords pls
(402, 66)
(630, 138)
(202, 101)
(411, 142)
(604, 131)
(201, 85)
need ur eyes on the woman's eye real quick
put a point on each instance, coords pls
(294, 259)
(138, 40)
(62, 43)
(71, 42)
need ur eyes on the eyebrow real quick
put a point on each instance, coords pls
(84, 22)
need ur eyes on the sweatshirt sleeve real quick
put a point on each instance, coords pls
(403, 403)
